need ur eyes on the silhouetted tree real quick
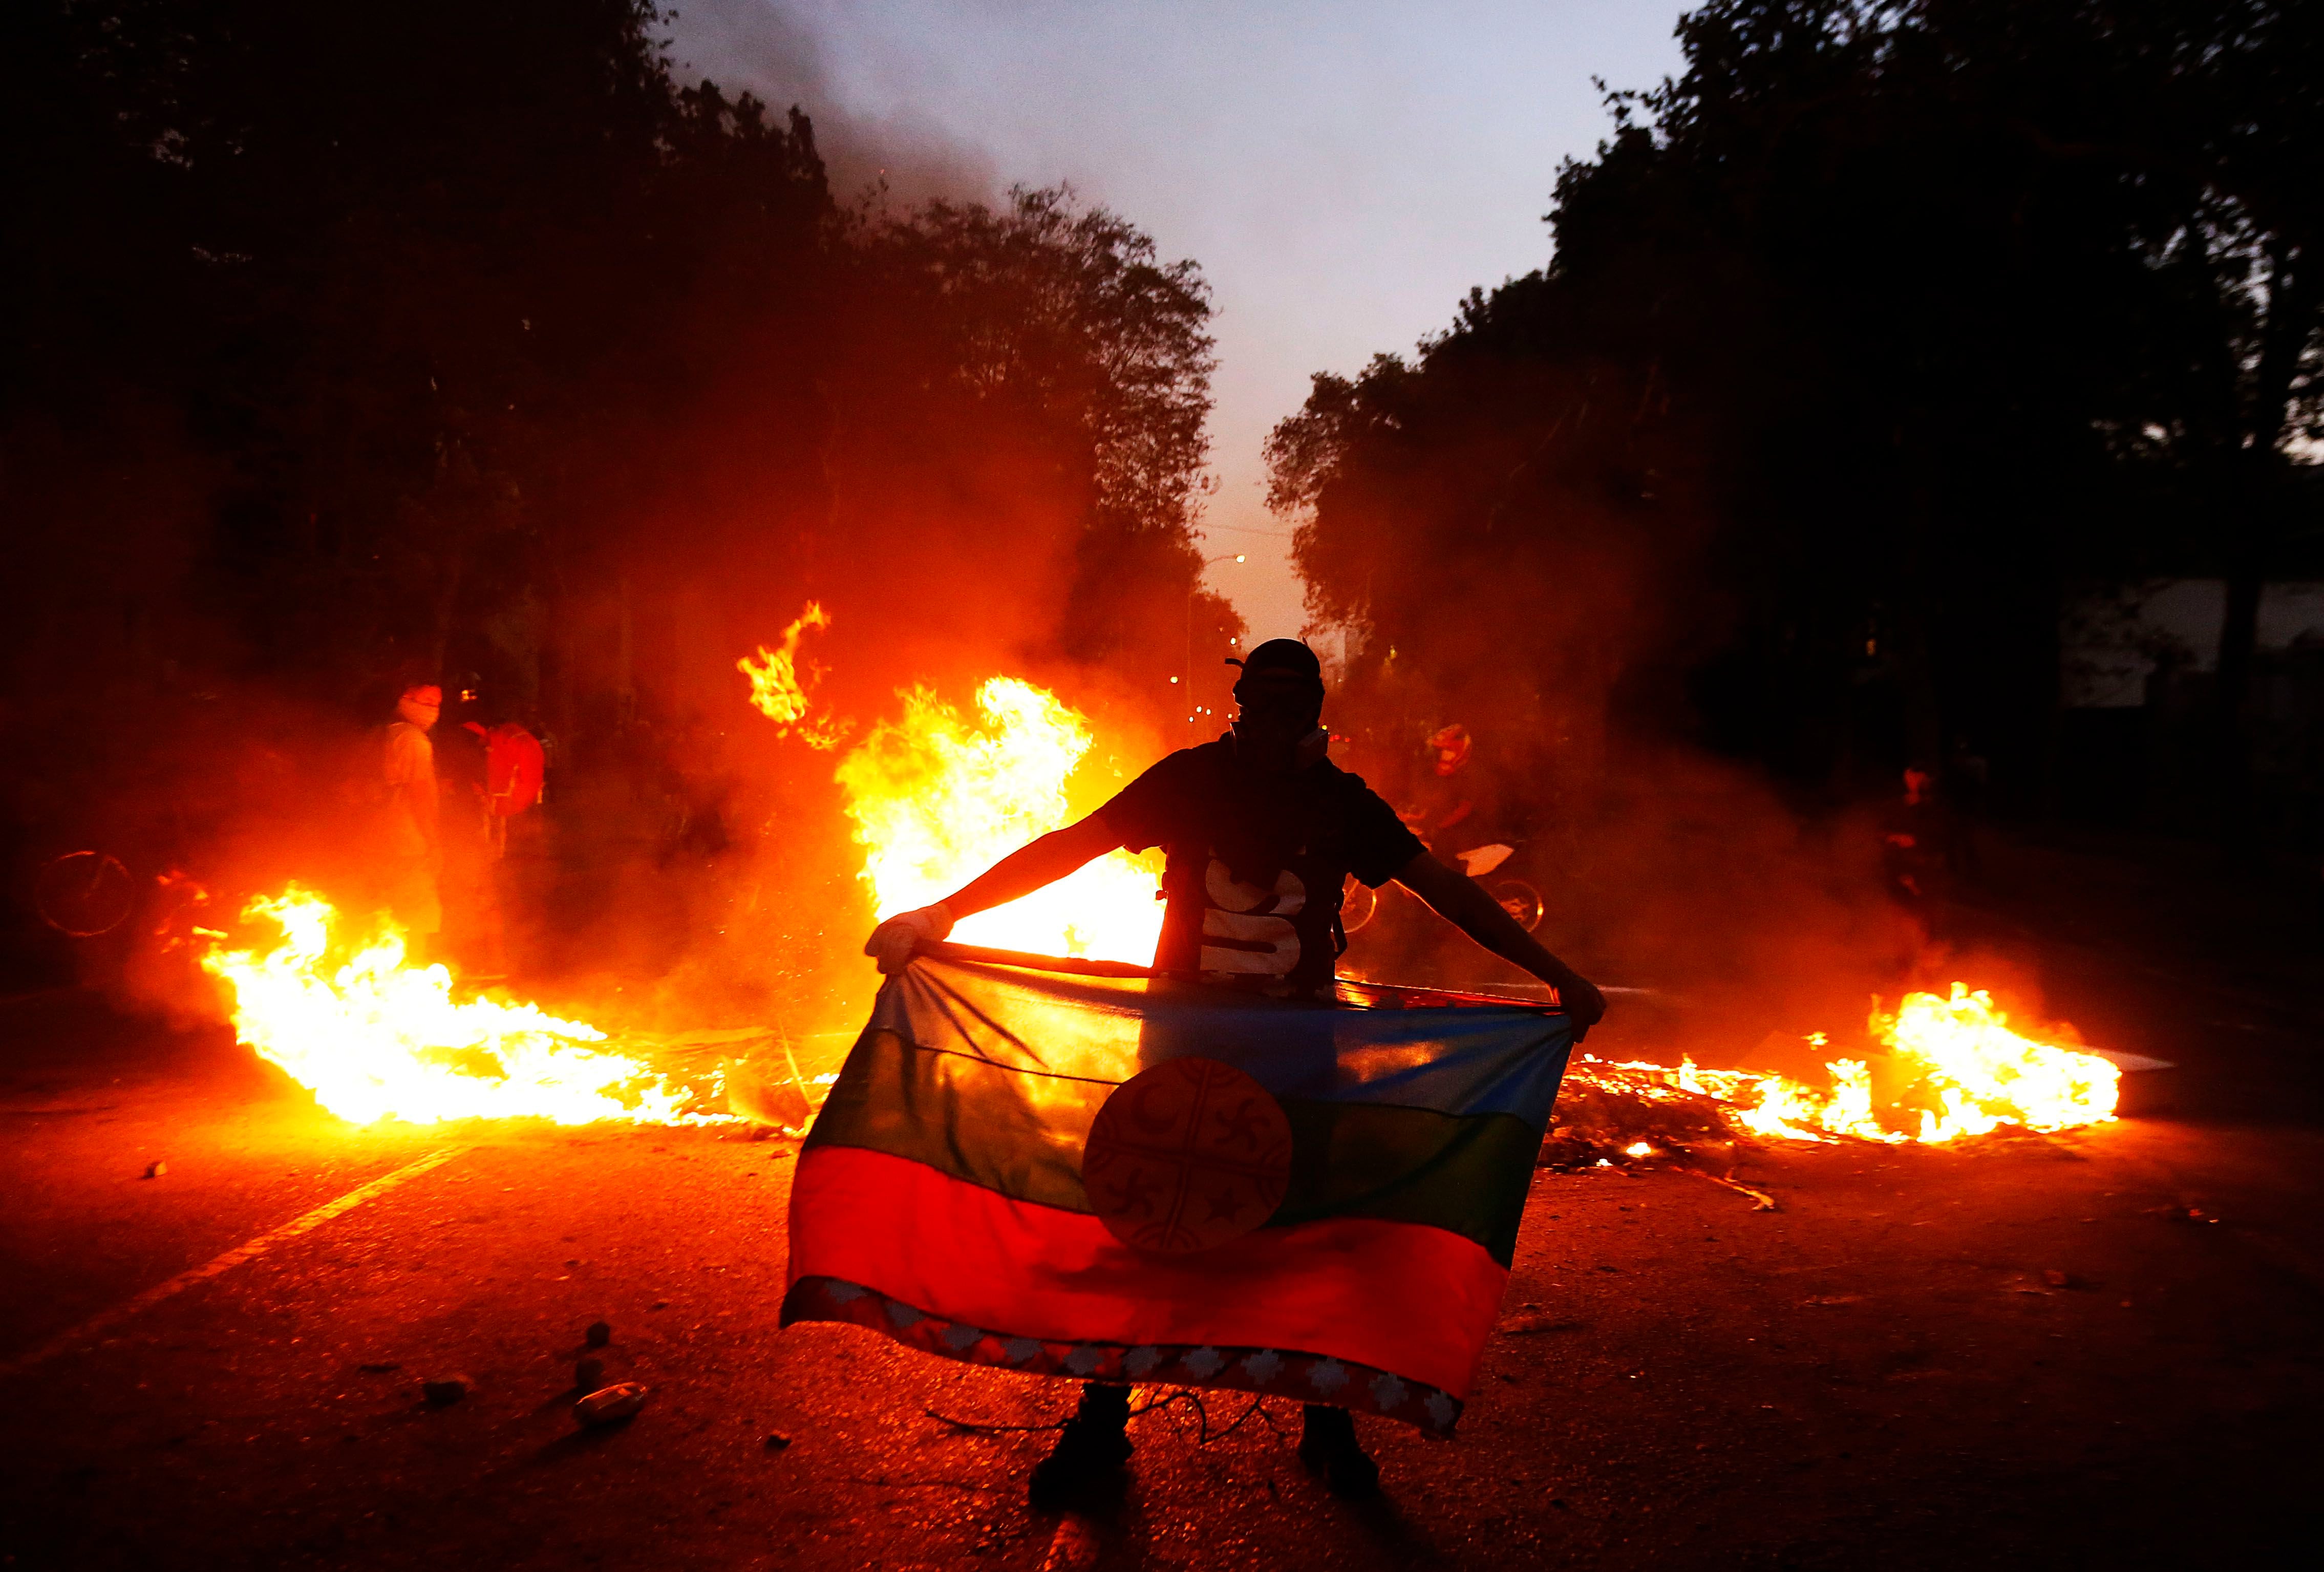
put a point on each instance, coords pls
(1050, 316)
(1861, 339)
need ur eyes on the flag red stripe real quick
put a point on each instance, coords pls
(1401, 1297)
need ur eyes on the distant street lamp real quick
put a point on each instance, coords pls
(1192, 590)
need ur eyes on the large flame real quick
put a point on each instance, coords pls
(777, 689)
(937, 798)
(375, 1037)
(1952, 1068)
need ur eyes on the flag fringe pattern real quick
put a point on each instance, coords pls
(1269, 1371)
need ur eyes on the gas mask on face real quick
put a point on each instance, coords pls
(1281, 691)
(1278, 736)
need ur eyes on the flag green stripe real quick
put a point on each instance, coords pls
(1021, 1134)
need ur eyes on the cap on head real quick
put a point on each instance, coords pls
(1283, 654)
(1280, 669)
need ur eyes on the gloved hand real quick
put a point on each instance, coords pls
(1585, 1006)
(894, 942)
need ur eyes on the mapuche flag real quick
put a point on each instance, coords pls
(1103, 1173)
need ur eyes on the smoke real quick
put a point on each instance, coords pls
(1555, 584)
(1722, 913)
(773, 50)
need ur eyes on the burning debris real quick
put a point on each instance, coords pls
(777, 689)
(1947, 1068)
(770, 1092)
(375, 1037)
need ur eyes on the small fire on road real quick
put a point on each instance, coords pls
(1947, 1068)
(375, 1037)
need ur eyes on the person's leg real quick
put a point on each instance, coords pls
(1328, 1444)
(1090, 1451)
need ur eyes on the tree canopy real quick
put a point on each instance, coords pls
(1862, 339)
(340, 339)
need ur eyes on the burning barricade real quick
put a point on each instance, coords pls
(938, 793)
(374, 1037)
(1945, 1069)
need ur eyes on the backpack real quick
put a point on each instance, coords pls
(515, 765)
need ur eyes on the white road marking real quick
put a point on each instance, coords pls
(105, 1320)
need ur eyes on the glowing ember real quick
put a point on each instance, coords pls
(374, 1038)
(1953, 1068)
(938, 798)
(776, 689)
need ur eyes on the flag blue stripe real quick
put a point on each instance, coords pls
(1458, 1061)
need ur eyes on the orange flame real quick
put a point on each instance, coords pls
(376, 1038)
(1957, 1069)
(775, 690)
(938, 798)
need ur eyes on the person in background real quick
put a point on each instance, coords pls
(1916, 837)
(1262, 831)
(517, 770)
(412, 848)
(516, 775)
(468, 831)
(1455, 812)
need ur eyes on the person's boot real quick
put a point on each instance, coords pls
(1090, 1451)
(1328, 1445)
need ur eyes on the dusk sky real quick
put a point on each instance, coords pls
(1344, 172)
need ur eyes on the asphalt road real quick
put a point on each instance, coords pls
(2030, 1352)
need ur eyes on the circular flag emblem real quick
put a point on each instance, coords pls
(1185, 1155)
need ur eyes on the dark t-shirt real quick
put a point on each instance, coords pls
(462, 779)
(1257, 861)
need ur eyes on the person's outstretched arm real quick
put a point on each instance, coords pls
(1020, 872)
(1462, 902)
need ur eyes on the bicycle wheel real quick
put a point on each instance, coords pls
(1520, 900)
(85, 893)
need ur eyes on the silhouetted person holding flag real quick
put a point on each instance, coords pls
(1261, 832)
